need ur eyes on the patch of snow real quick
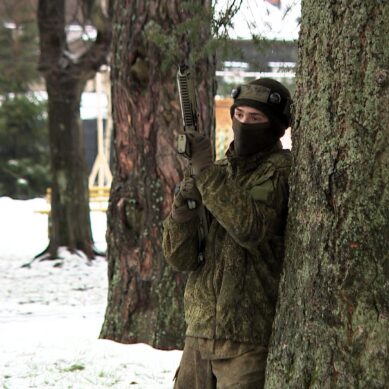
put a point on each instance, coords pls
(51, 314)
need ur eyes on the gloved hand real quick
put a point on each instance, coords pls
(188, 194)
(201, 151)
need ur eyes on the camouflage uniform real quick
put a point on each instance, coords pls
(230, 298)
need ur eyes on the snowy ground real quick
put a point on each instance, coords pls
(51, 315)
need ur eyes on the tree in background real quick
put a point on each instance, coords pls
(24, 154)
(24, 148)
(65, 72)
(150, 39)
(19, 49)
(331, 328)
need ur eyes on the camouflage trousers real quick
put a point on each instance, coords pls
(245, 371)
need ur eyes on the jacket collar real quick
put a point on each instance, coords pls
(251, 162)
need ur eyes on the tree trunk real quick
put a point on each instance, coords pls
(145, 295)
(332, 323)
(69, 219)
(65, 74)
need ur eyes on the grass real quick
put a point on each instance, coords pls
(74, 367)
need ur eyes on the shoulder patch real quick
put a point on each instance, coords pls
(263, 191)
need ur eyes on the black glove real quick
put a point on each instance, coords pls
(186, 202)
(201, 151)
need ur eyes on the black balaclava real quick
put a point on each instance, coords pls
(271, 98)
(252, 138)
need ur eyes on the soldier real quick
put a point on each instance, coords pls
(230, 296)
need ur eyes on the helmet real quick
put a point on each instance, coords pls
(267, 95)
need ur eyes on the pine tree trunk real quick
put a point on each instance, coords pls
(145, 295)
(332, 323)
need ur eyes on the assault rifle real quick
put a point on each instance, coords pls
(190, 123)
(188, 104)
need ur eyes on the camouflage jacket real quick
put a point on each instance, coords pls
(232, 294)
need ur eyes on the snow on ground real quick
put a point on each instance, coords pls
(51, 315)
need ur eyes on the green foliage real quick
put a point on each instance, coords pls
(19, 52)
(203, 32)
(223, 21)
(24, 155)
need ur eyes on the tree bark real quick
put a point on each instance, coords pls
(145, 295)
(331, 327)
(65, 78)
(69, 217)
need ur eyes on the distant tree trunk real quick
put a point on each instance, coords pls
(145, 296)
(65, 77)
(69, 219)
(332, 323)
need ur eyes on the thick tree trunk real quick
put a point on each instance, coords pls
(332, 323)
(69, 219)
(65, 74)
(145, 295)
